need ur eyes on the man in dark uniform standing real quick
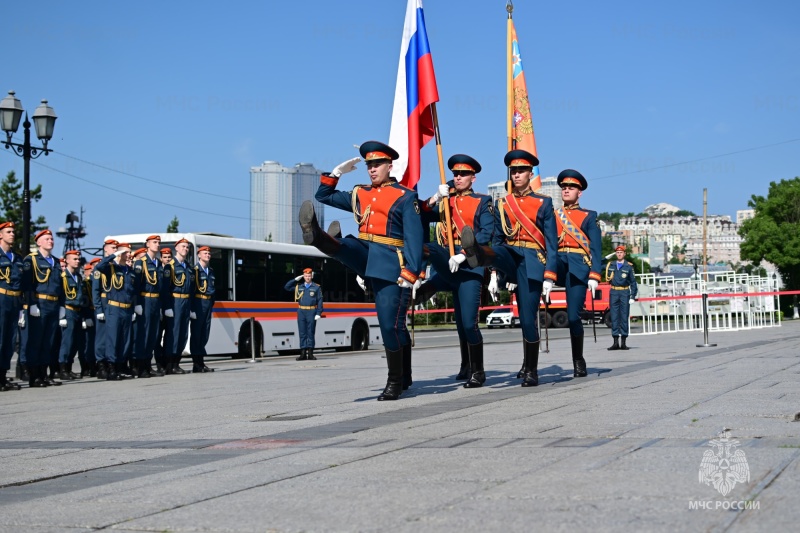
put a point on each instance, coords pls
(149, 274)
(308, 296)
(159, 353)
(622, 278)
(525, 250)
(99, 297)
(387, 251)
(202, 309)
(178, 291)
(10, 306)
(579, 256)
(74, 303)
(467, 209)
(86, 350)
(44, 298)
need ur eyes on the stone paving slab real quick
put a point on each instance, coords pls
(292, 446)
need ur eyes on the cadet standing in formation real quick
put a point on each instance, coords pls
(308, 296)
(86, 353)
(524, 249)
(119, 317)
(202, 307)
(468, 209)
(99, 297)
(10, 306)
(149, 274)
(71, 324)
(178, 290)
(387, 252)
(579, 255)
(622, 278)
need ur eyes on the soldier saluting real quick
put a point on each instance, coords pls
(308, 296)
(624, 290)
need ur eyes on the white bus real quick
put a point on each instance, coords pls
(250, 276)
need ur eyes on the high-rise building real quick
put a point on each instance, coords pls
(276, 194)
(549, 188)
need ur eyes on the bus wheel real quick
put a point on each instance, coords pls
(359, 337)
(607, 319)
(544, 319)
(245, 342)
(560, 319)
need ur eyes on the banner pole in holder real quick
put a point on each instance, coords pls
(253, 341)
(705, 323)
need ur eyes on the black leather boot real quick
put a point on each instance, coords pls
(176, 365)
(463, 372)
(160, 367)
(524, 369)
(310, 354)
(313, 234)
(578, 362)
(303, 356)
(477, 255)
(478, 377)
(85, 368)
(624, 346)
(102, 370)
(407, 381)
(36, 377)
(22, 372)
(51, 375)
(615, 346)
(531, 377)
(142, 369)
(64, 373)
(112, 373)
(5, 384)
(394, 384)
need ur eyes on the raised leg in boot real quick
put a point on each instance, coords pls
(615, 346)
(313, 234)
(394, 383)
(478, 376)
(531, 377)
(463, 372)
(578, 362)
(477, 255)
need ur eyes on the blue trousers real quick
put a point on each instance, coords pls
(86, 351)
(41, 333)
(619, 307)
(529, 291)
(70, 337)
(9, 315)
(100, 338)
(146, 329)
(306, 327)
(201, 330)
(176, 332)
(118, 331)
(576, 297)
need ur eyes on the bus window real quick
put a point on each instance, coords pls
(279, 268)
(221, 265)
(339, 283)
(251, 276)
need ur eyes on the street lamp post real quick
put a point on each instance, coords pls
(45, 119)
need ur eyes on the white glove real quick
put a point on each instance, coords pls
(404, 283)
(443, 192)
(101, 317)
(21, 320)
(192, 315)
(168, 313)
(493, 290)
(62, 322)
(456, 261)
(298, 278)
(361, 283)
(417, 285)
(34, 310)
(133, 317)
(547, 286)
(592, 285)
(316, 317)
(344, 168)
(511, 287)
(62, 312)
(630, 302)
(88, 323)
(138, 309)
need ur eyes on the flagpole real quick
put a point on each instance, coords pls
(509, 90)
(443, 179)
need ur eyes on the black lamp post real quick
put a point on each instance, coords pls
(45, 120)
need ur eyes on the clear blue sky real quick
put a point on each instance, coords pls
(195, 93)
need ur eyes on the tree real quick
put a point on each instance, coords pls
(172, 227)
(773, 234)
(11, 204)
(269, 237)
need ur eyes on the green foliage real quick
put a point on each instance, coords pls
(608, 245)
(683, 213)
(773, 234)
(172, 227)
(11, 204)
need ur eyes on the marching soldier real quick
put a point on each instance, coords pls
(86, 353)
(43, 296)
(74, 303)
(579, 256)
(149, 274)
(308, 296)
(525, 245)
(202, 308)
(10, 305)
(121, 294)
(388, 250)
(467, 209)
(99, 296)
(178, 289)
(624, 290)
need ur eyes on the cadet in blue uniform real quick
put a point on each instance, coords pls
(86, 350)
(43, 295)
(149, 275)
(178, 290)
(308, 296)
(579, 256)
(467, 209)
(202, 310)
(524, 249)
(622, 278)
(122, 290)
(387, 251)
(99, 297)
(10, 303)
(74, 303)
(159, 353)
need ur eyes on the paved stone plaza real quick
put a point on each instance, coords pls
(303, 446)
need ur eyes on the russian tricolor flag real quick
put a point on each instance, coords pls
(412, 120)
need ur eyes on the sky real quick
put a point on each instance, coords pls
(163, 107)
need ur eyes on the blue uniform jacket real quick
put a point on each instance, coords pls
(310, 296)
(389, 211)
(41, 278)
(73, 291)
(178, 279)
(122, 285)
(149, 280)
(622, 275)
(10, 272)
(204, 285)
